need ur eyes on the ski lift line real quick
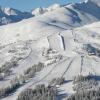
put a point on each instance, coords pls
(93, 70)
(82, 59)
(48, 72)
(68, 67)
(73, 34)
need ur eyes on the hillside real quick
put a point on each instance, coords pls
(57, 20)
(58, 47)
(70, 57)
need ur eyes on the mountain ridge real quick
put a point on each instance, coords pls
(89, 8)
(10, 15)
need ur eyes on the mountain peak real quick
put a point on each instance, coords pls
(9, 11)
(38, 11)
(9, 15)
(42, 10)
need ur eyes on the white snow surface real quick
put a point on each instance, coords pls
(66, 29)
(69, 66)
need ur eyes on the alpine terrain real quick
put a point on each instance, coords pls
(50, 53)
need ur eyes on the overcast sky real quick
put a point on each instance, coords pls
(28, 5)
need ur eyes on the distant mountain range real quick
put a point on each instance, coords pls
(78, 13)
(10, 15)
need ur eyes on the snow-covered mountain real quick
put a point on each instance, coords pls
(41, 10)
(80, 13)
(73, 15)
(10, 15)
(54, 21)
(58, 42)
